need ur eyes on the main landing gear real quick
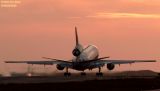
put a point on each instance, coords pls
(67, 74)
(99, 74)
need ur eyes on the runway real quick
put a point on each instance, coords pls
(72, 84)
(114, 82)
(75, 77)
(55, 79)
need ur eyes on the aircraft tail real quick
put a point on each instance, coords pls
(76, 33)
(78, 48)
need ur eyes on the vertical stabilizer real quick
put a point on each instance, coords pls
(78, 48)
(77, 41)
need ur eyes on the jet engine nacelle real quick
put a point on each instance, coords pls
(59, 67)
(110, 66)
(77, 50)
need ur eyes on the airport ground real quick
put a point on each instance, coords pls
(119, 82)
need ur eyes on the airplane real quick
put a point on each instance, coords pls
(84, 58)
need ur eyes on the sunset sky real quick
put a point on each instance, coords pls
(121, 29)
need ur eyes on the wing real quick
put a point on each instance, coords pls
(124, 61)
(64, 63)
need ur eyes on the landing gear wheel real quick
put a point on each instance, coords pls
(66, 74)
(83, 74)
(100, 74)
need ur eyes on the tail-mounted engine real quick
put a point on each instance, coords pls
(78, 50)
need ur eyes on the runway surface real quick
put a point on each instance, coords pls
(132, 81)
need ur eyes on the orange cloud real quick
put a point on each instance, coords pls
(123, 15)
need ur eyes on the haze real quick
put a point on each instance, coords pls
(121, 29)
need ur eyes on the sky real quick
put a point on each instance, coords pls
(121, 29)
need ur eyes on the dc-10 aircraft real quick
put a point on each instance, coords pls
(84, 58)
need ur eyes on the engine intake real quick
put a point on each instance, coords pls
(76, 52)
(59, 67)
(110, 66)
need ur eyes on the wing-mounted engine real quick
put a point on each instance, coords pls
(59, 67)
(110, 66)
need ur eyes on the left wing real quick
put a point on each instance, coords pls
(62, 62)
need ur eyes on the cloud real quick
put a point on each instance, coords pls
(123, 15)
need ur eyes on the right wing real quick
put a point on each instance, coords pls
(125, 61)
(102, 62)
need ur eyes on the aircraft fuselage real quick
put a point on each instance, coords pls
(89, 53)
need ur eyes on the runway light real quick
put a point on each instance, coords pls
(29, 74)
